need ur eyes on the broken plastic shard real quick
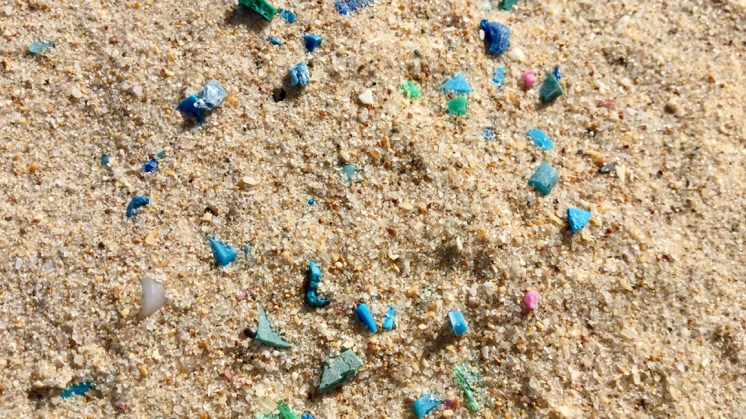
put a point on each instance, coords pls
(497, 35)
(388, 322)
(299, 75)
(39, 47)
(489, 133)
(349, 171)
(153, 297)
(550, 89)
(261, 7)
(311, 42)
(541, 139)
(150, 166)
(267, 334)
(189, 106)
(544, 178)
(471, 380)
(307, 416)
(211, 96)
(507, 4)
(363, 315)
(348, 6)
(577, 218)
(288, 15)
(339, 369)
(557, 73)
(457, 106)
(426, 404)
(135, 203)
(457, 322)
(105, 159)
(411, 89)
(77, 390)
(275, 41)
(314, 277)
(285, 411)
(457, 84)
(222, 253)
(499, 77)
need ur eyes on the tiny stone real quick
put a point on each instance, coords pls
(529, 79)
(366, 97)
(531, 299)
(516, 54)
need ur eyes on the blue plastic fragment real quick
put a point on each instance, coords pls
(363, 314)
(150, 166)
(246, 250)
(311, 201)
(222, 253)
(489, 133)
(348, 6)
(288, 15)
(426, 404)
(211, 96)
(557, 73)
(541, 139)
(189, 107)
(457, 84)
(77, 390)
(577, 218)
(104, 159)
(311, 41)
(388, 322)
(307, 416)
(349, 170)
(499, 77)
(544, 178)
(299, 75)
(135, 203)
(457, 322)
(160, 155)
(497, 35)
(275, 41)
(314, 277)
(39, 47)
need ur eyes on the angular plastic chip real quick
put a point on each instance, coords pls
(426, 404)
(541, 139)
(285, 411)
(314, 277)
(261, 7)
(267, 334)
(457, 84)
(471, 380)
(348, 6)
(457, 322)
(135, 203)
(222, 253)
(363, 315)
(577, 218)
(311, 42)
(339, 369)
(497, 35)
(39, 47)
(411, 89)
(77, 390)
(550, 89)
(544, 178)
(299, 75)
(507, 4)
(457, 106)
(388, 322)
(288, 15)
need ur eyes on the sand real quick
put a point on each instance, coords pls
(641, 313)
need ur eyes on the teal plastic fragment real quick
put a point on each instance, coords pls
(135, 203)
(39, 47)
(411, 89)
(339, 369)
(275, 41)
(311, 42)
(544, 178)
(267, 334)
(285, 411)
(541, 139)
(457, 322)
(288, 15)
(299, 75)
(577, 218)
(349, 171)
(77, 390)
(363, 314)
(222, 253)
(388, 322)
(457, 84)
(261, 7)
(499, 77)
(471, 380)
(314, 277)
(507, 4)
(426, 404)
(550, 89)
(105, 159)
(457, 106)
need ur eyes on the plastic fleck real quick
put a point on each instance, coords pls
(77, 390)
(311, 201)
(426, 404)
(457, 84)
(388, 322)
(135, 203)
(189, 106)
(153, 297)
(299, 75)
(275, 41)
(307, 416)
(363, 315)
(457, 106)
(39, 47)
(550, 89)
(288, 15)
(557, 73)
(544, 178)
(411, 89)
(471, 381)
(222, 253)
(339, 369)
(577, 218)
(489, 133)
(211, 96)
(610, 168)
(529, 79)
(261, 7)
(349, 171)
(507, 4)
(541, 139)
(531, 299)
(150, 166)
(499, 77)
(348, 6)
(497, 35)
(311, 42)
(457, 322)
(285, 411)
(314, 277)
(105, 159)
(267, 334)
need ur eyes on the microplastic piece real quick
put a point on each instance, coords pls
(426, 404)
(497, 35)
(541, 139)
(388, 322)
(457, 106)
(261, 7)
(531, 299)
(311, 42)
(211, 96)
(489, 133)
(105, 159)
(577, 218)
(189, 106)
(275, 41)
(471, 381)
(550, 89)
(311, 202)
(349, 171)
(457, 322)
(39, 47)
(457, 84)
(299, 75)
(507, 4)
(339, 369)
(77, 390)
(499, 77)
(363, 315)
(544, 178)
(222, 253)
(153, 297)
(307, 416)
(529, 79)
(411, 89)
(285, 411)
(135, 203)
(267, 334)
(314, 277)
(288, 15)
(348, 6)
(557, 73)
(150, 166)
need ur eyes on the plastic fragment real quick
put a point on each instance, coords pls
(150, 166)
(348, 6)
(457, 106)
(457, 84)
(363, 315)
(222, 253)
(275, 41)
(457, 322)
(557, 73)
(189, 106)
(577, 218)
(307, 416)
(77, 390)
(388, 322)
(507, 4)
(153, 297)
(135, 203)
(261, 7)
(541, 139)
(610, 168)
(497, 35)
(285, 411)
(489, 133)
(105, 159)
(426, 404)
(267, 334)
(349, 171)
(299, 75)
(471, 381)
(311, 42)
(339, 369)
(246, 250)
(211, 96)
(544, 178)
(288, 15)
(411, 89)
(529, 79)
(39, 47)
(550, 89)
(314, 277)
(311, 201)
(531, 299)
(499, 77)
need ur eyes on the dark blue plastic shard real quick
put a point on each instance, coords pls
(497, 35)
(135, 203)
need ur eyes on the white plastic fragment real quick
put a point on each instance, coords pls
(153, 297)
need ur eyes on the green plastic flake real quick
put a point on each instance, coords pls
(285, 411)
(411, 89)
(471, 380)
(267, 334)
(457, 106)
(550, 89)
(268, 416)
(339, 369)
(261, 7)
(508, 4)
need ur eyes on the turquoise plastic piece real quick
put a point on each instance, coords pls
(550, 89)
(39, 47)
(350, 171)
(348, 6)
(339, 369)
(426, 404)
(267, 334)
(189, 106)
(577, 218)
(457, 322)
(311, 42)
(544, 178)
(457, 84)
(105, 159)
(288, 15)
(388, 322)
(499, 77)
(497, 35)
(275, 41)
(222, 253)
(77, 390)
(299, 75)
(541, 139)
(314, 277)
(135, 203)
(363, 314)
(507, 4)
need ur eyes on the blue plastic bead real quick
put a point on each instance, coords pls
(288, 15)
(275, 41)
(388, 322)
(314, 277)
(426, 404)
(211, 96)
(457, 322)
(105, 159)
(348, 6)
(499, 77)
(299, 75)
(135, 203)
(150, 166)
(457, 84)
(363, 314)
(557, 73)
(312, 41)
(222, 253)
(77, 390)
(544, 178)
(577, 218)
(497, 35)
(541, 139)
(189, 107)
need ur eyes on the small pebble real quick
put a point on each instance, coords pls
(531, 299)
(529, 79)
(516, 54)
(366, 97)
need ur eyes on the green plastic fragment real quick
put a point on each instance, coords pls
(508, 4)
(268, 416)
(339, 369)
(261, 7)
(266, 333)
(39, 47)
(457, 106)
(550, 89)
(285, 411)
(471, 380)
(411, 89)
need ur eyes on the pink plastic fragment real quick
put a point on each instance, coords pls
(449, 404)
(532, 300)
(529, 79)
